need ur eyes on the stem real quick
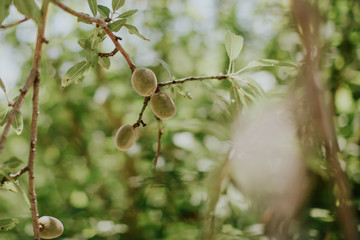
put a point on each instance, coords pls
(140, 121)
(32, 153)
(103, 25)
(14, 23)
(19, 173)
(187, 79)
(110, 54)
(160, 133)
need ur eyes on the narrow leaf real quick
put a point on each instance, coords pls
(13, 162)
(183, 92)
(4, 9)
(167, 67)
(75, 73)
(127, 13)
(23, 193)
(117, 25)
(104, 62)
(18, 123)
(255, 86)
(3, 117)
(29, 9)
(104, 11)
(9, 186)
(8, 224)
(133, 30)
(116, 4)
(233, 44)
(2, 85)
(92, 56)
(253, 65)
(93, 6)
(81, 42)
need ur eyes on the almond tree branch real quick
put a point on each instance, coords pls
(28, 83)
(110, 54)
(32, 153)
(308, 20)
(19, 173)
(187, 79)
(103, 25)
(14, 23)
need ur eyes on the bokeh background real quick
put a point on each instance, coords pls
(101, 193)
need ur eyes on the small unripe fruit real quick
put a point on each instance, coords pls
(143, 81)
(125, 137)
(162, 105)
(50, 227)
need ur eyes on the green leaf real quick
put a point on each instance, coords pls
(18, 123)
(253, 65)
(127, 13)
(81, 42)
(117, 25)
(2, 85)
(9, 186)
(13, 162)
(4, 9)
(116, 4)
(93, 6)
(105, 62)
(167, 67)
(3, 117)
(183, 92)
(233, 44)
(92, 56)
(104, 11)
(8, 224)
(75, 73)
(133, 30)
(255, 86)
(23, 193)
(29, 9)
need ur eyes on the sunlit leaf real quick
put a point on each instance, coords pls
(8, 224)
(116, 4)
(13, 162)
(2, 85)
(29, 9)
(256, 87)
(18, 123)
(183, 92)
(105, 62)
(133, 30)
(75, 73)
(4, 9)
(233, 44)
(127, 13)
(117, 25)
(81, 42)
(93, 6)
(257, 64)
(9, 186)
(104, 11)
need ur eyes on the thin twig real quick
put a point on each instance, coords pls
(103, 25)
(19, 173)
(140, 121)
(160, 133)
(14, 23)
(110, 54)
(187, 79)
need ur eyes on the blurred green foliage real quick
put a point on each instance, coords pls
(101, 193)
